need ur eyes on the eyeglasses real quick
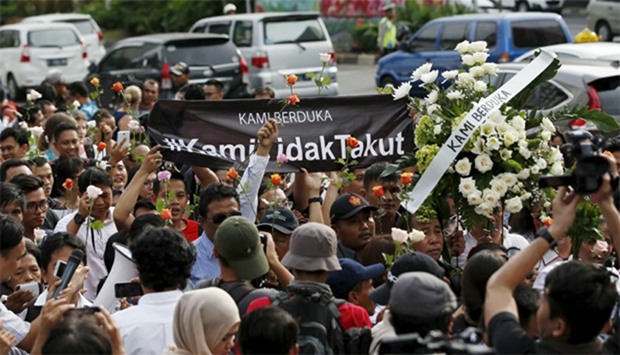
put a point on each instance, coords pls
(221, 217)
(33, 206)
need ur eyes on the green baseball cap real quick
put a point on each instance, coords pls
(237, 241)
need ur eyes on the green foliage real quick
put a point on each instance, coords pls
(415, 15)
(585, 226)
(365, 37)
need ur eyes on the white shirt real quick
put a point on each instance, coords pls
(511, 240)
(250, 184)
(95, 247)
(40, 302)
(380, 331)
(147, 328)
(13, 324)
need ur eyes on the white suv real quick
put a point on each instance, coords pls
(90, 31)
(533, 5)
(30, 50)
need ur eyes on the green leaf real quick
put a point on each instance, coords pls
(341, 161)
(326, 80)
(96, 225)
(170, 195)
(160, 205)
(310, 75)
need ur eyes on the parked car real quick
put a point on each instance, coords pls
(90, 31)
(135, 59)
(30, 50)
(586, 50)
(276, 45)
(531, 5)
(508, 35)
(604, 18)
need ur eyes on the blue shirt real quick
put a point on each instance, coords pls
(89, 109)
(206, 266)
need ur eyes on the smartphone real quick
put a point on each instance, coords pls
(123, 137)
(59, 269)
(32, 286)
(127, 290)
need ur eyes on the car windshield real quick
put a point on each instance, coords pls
(84, 26)
(60, 37)
(293, 31)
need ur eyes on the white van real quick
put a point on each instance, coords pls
(276, 45)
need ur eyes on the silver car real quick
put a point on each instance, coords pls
(276, 45)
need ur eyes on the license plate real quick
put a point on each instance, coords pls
(56, 62)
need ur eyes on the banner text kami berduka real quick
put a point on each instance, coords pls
(296, 150)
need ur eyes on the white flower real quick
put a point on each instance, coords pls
(478, 46)
(93, 192)
(480, 86)
(497, 117)
(468, 60)
(505, 154)
(557, 169)
(429, 77)
(399, 235)
(467, 186)
(510, 138)
(526, 196)
(542, 163)
(402, 91)
(484, 209)
(480, 58)
(325, 57)
(432, 97)
(518, 123)
(431, 108)
(487, 128)
(454, 95)
(76, 104)
(556, 155)
(416, 236)
(422, 69)
(39, 235)
(499, 187)
(523, 144)
(437, 130)
(36, 131)
(547, 124)
(490, 68)
(503, 127)
(33, 95)
(463, 47)
(103, 164)
(523, 174)
(545, 135)
(474, 198)
(491, 197)
(483, 163)
(535, 169)
(476, 71)
(509, 179)
(23, 125)
(514, 205)
(479, 145)
(91, 124)
(526, 153)
(493, 143)
(450, 74)
(463, 167)
(133, 125)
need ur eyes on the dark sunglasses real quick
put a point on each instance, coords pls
(221, 217)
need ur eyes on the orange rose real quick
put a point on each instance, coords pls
(101, 146)
(276, 179)
(165, 214)
(232, 174)
(352, 142)
(406, 178)
(117, 87)
(68, 184)
(378, 191)
(547, 222)
(94, 81)
(293, 99)
(291, 79)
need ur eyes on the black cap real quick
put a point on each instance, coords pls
(347, 205)
(281, 219)
(179, 69)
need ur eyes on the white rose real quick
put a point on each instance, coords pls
(499, 187)
(103, 164)
(480, 86)
(450, 74)
(463, 167)
(429, 77)
(91, 124)
(487, 128)
(39, 235)
(23, 125)
(474, 198)
(523, 174)
(463, 47)
(416, 236)
(468, 60)
(490, 68)
(542, 163)
(480, 58)
(36, 131)
(478, 46)
(484, 209)
(545, 135)
(548, 125)
(432, 97)
(422, 69)
(454, 95)
(491, 197)
(437, 130)
(514, 205)
(325, 57)
(505, 154)
(34, 95)
(518, 123)
(526, 153)
(483, 163)
(76, 104)
(509, 179)
(431, 108)
(556, 155)
(534, 169)
(399, 235)
(557, 169)
(526, 196)
(493, 143)
(93, 192)
(133, 125)
(467, 186)
(402, 91)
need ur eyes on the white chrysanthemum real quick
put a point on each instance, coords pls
(454, 95)
(429, 78)
(493, 143)
(484, 209)
(491, 197)
(474, 198)
(468, 60)
(437, 130)
(514, 205)
(523, 174)
(557, 169)
(505, 154)
(534, 169)
(432, 97)
(478, 46)
(518, 123)
(480, 86)
(499, 187)
(490, 68)
(465, 79)
(548, 125)
(402, 91)
(509, 179)
(556, 155)
(467, 186)
(487, 128)
(463, 47)
(422, 69)
(483, 163)
(430, 109)
(510, 138)
(463, 167)
(545, 135)
(480, 58)
(450, 74)
(526, 153)
(476, 71)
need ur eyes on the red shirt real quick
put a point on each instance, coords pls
(191, 230)
(351, 315)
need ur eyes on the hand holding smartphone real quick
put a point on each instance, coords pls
(127, 290)
(124, 138)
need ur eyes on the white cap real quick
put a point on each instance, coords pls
(229, 7)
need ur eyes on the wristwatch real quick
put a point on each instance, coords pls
(544, 234)
(79, 219)
(315, 199)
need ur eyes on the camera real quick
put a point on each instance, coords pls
(584, 149)
(467, 342)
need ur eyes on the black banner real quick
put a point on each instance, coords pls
(220, 134)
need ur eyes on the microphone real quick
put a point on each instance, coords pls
(72, 265)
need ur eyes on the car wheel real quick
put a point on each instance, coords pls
(522, 6)
(604, 31)
(388, 80)
(15, 93)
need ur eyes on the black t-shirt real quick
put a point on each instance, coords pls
(507, 336)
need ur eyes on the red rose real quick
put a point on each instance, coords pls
(117, 87)
(276, 179)
(352, 142)
(378, 191)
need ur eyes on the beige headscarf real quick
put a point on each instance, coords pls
(202, 318)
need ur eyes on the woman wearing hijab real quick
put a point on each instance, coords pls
(205, 322)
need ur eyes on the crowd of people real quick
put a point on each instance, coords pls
(242, 262)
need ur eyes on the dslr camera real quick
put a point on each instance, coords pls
(584, 149)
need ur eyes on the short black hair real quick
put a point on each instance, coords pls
(101, 114)
(78, 88)
(613, 145)
(264, 90)
(65, 169)
(215, 192)
(12, 233)
(20, 135)
(141, 223)
(28, 113)
(9, 193)
(527, 300)
(163, 257)
(214, 82)
(374, 173)
(268, 330)
(143, 203)
(476, 274)
(194, 92)
(47, 91)
(583, 294)
(486, 246)
(27, 183)
(77, 333)
(57, 241)
(39, 161)
(63, 126)
(94, 176)
(12, 163)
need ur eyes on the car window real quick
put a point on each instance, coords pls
(536, 33)
(148, 57)
(219, 28)
(242, 36)
(199, 55)
(120, 59)
(546, 96)
(609, 91)
(453, 34)
(308, 30)
(9, 39)
(52, 38)
(84, 26)
(486, 31)
(199, 29)
(425, 41)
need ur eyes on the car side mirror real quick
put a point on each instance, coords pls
(404, 46)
